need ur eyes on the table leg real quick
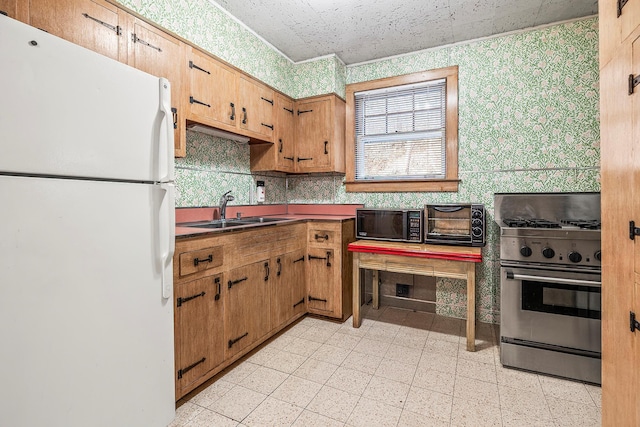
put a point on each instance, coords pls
(356, 290)
(471, 306)
(376, 289)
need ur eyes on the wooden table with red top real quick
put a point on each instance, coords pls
(456, 262)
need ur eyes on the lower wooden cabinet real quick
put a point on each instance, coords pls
(247, 306)
(234, 290)
(329, 275)
(199, 340)
(288, 290)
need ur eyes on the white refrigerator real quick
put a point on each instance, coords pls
(86, 237)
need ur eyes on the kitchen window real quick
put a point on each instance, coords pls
(402, 133)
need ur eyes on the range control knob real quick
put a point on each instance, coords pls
(575, 257)
(548, 252)
(597, 255)
(525, 251)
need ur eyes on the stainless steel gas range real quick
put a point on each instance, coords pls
(550, 283)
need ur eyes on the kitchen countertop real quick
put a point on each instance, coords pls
(292, 213)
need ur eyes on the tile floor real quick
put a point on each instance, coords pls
(400, 368)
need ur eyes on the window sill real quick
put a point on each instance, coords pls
(397, 186)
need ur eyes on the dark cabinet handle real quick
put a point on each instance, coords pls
(299, 259)
(286, 109)
(322, 237)
(270, 101)
(233, 111)
(244, 112)
(197, 261)
(298, 303)
(183, 371)
(235, 340)
(266, 268)
(267, 126)
(231, 283)
(185, 299)
(217, 282)
(192, 65)
(288, 158)
(325, 147)
(302, 159)
(316, 299)
(280, 141)
(115, 28)
(304, 111)
(174, 112)
(279, 267)
(195, 101)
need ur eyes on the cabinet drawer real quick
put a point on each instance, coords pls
(200, 260)
(324, 235)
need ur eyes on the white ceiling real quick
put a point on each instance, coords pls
(364, 30)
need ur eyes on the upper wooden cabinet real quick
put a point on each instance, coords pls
(16, 9)
(279, 156)
(224, 98)
(212, 91)
(256, 108)
(318, 125)
(94, 24)
(620, 22)
(320, 134)
(156, 52)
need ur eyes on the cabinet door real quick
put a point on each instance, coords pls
(619, 168)
(199, 334)
(284, 133)
(247, 306)
(279, 156)
(288, 287)
(616, 25)
(213, 91)
(156, 52)
(92, 24)
(322, 282)
(16, 9)
(313, 141)
(256, 107)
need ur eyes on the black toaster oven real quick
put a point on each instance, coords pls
(455, 224)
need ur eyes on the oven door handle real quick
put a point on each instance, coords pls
(593, 283)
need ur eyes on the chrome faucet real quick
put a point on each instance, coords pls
(226, 197)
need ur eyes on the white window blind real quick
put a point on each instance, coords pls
(400, 132)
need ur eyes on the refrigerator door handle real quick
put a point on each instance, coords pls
(166, 238)
(166, 151)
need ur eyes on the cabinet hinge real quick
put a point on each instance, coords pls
(633, 82)
(633, 230)
(633, 323)
(183, 371)
(621, 4)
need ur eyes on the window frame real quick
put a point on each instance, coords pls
(451, 181)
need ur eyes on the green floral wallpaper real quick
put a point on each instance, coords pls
(528, 122)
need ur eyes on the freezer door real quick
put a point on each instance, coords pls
(68, 111)
(86, 332)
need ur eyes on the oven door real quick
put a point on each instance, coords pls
(555, 308)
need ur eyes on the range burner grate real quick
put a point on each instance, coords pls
(531, 223)
(587, 224)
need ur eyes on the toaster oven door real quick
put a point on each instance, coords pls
(448, 223)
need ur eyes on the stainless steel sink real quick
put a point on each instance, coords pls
(256, 219)
(231, 223)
